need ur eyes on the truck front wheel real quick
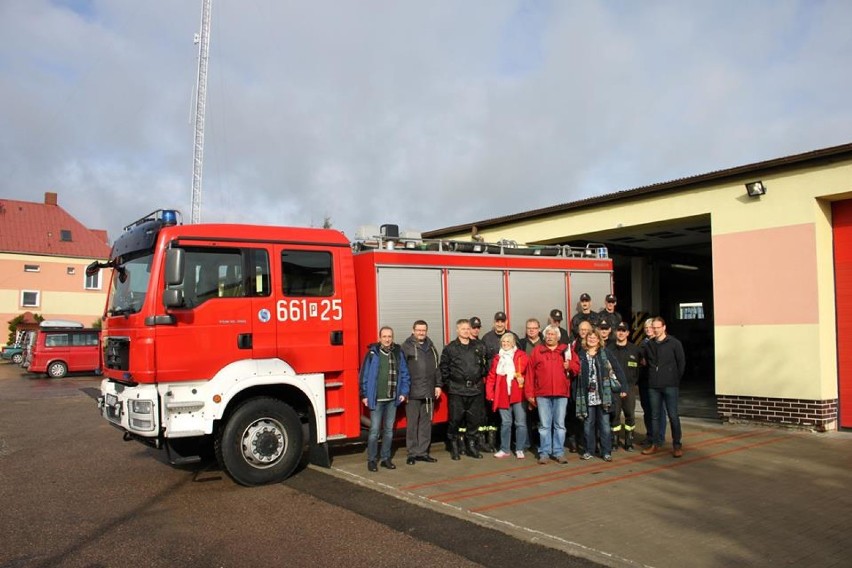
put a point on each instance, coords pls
(261, 442)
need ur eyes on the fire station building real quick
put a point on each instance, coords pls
(750, 266)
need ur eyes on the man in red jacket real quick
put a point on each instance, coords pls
(548, 388)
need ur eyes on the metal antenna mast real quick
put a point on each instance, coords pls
(203, 41)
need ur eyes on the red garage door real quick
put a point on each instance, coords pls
(842, 216)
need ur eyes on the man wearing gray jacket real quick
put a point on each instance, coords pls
(422, 359)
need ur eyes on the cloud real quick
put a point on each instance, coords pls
(421, 114)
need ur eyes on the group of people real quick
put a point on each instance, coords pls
(551, 388)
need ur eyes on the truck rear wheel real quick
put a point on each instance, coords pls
(261, 442)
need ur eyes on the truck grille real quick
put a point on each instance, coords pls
(117, 353)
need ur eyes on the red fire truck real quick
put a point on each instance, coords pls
(249, 338)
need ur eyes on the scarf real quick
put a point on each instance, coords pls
(506, 366)
(391, 371)
(605, 376)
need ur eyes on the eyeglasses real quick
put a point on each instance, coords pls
(656, 327)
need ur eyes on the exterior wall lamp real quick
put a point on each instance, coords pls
(755, 189)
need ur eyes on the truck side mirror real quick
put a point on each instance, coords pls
(173, 298)
(174, 266)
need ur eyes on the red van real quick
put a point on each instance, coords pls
(59, 350)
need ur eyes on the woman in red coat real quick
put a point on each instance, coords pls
(504, 387)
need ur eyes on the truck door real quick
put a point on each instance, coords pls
(309, 309)
(226, 290)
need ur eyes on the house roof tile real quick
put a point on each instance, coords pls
(46, 228)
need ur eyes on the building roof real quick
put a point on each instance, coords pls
(814, 157)
(47, 229)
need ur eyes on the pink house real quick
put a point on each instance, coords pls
(44, 252)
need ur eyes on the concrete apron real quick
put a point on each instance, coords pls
(740, 495)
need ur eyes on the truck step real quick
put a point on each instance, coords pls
(333, 384)
(332, 411)
(336, 437)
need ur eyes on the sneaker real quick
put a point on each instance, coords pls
(607, 458)
(501, 454)
(586, 456)
(542, 460)
(520, 454)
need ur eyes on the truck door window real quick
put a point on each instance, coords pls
(225, 273)
(307, 273)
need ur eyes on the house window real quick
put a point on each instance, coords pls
(30, 298)
(65, 235)
(32, 268)
(93, 282)
(71, 271)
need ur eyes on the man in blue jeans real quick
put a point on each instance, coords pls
(666, 365)
(384, 385)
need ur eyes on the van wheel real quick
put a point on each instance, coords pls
(17, 358)
(57, 370)
(261, 442)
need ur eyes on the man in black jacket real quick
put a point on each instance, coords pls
(629, 357)
(666, 365)
(422, 359)
(463, 369)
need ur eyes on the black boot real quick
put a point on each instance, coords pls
(454, 449)
(492, 441)
(483, 442)
(628, 440)
(472, 446)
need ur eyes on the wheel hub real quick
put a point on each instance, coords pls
(264, 442)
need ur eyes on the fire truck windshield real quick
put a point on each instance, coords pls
(129, 285)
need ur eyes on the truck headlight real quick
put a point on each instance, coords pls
(141, 406)
(141, 415)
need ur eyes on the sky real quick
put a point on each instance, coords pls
(422, 114)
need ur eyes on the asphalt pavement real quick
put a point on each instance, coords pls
(74, 494)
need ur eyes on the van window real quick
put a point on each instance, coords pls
(307, 273)
(88, 339)
(56, 340)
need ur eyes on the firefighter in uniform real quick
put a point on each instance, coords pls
(585, 314)
(463, 370)
(609, 314)
(629, 357)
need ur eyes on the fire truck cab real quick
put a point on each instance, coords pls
(249, 338)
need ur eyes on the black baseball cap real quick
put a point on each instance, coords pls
(604, 325)
(556, 314)
(475, 322)
(500, 316)
(585, 297)
(611, 298)
(622, 327)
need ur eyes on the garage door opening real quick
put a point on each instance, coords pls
(666, 269)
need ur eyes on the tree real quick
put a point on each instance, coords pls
(15, 322)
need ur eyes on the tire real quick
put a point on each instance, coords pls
(17, 358)
(57, 370)
(261, 442)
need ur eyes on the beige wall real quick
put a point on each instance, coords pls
(773, 272)
(62, 295)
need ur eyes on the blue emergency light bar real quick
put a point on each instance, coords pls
(167, 217)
